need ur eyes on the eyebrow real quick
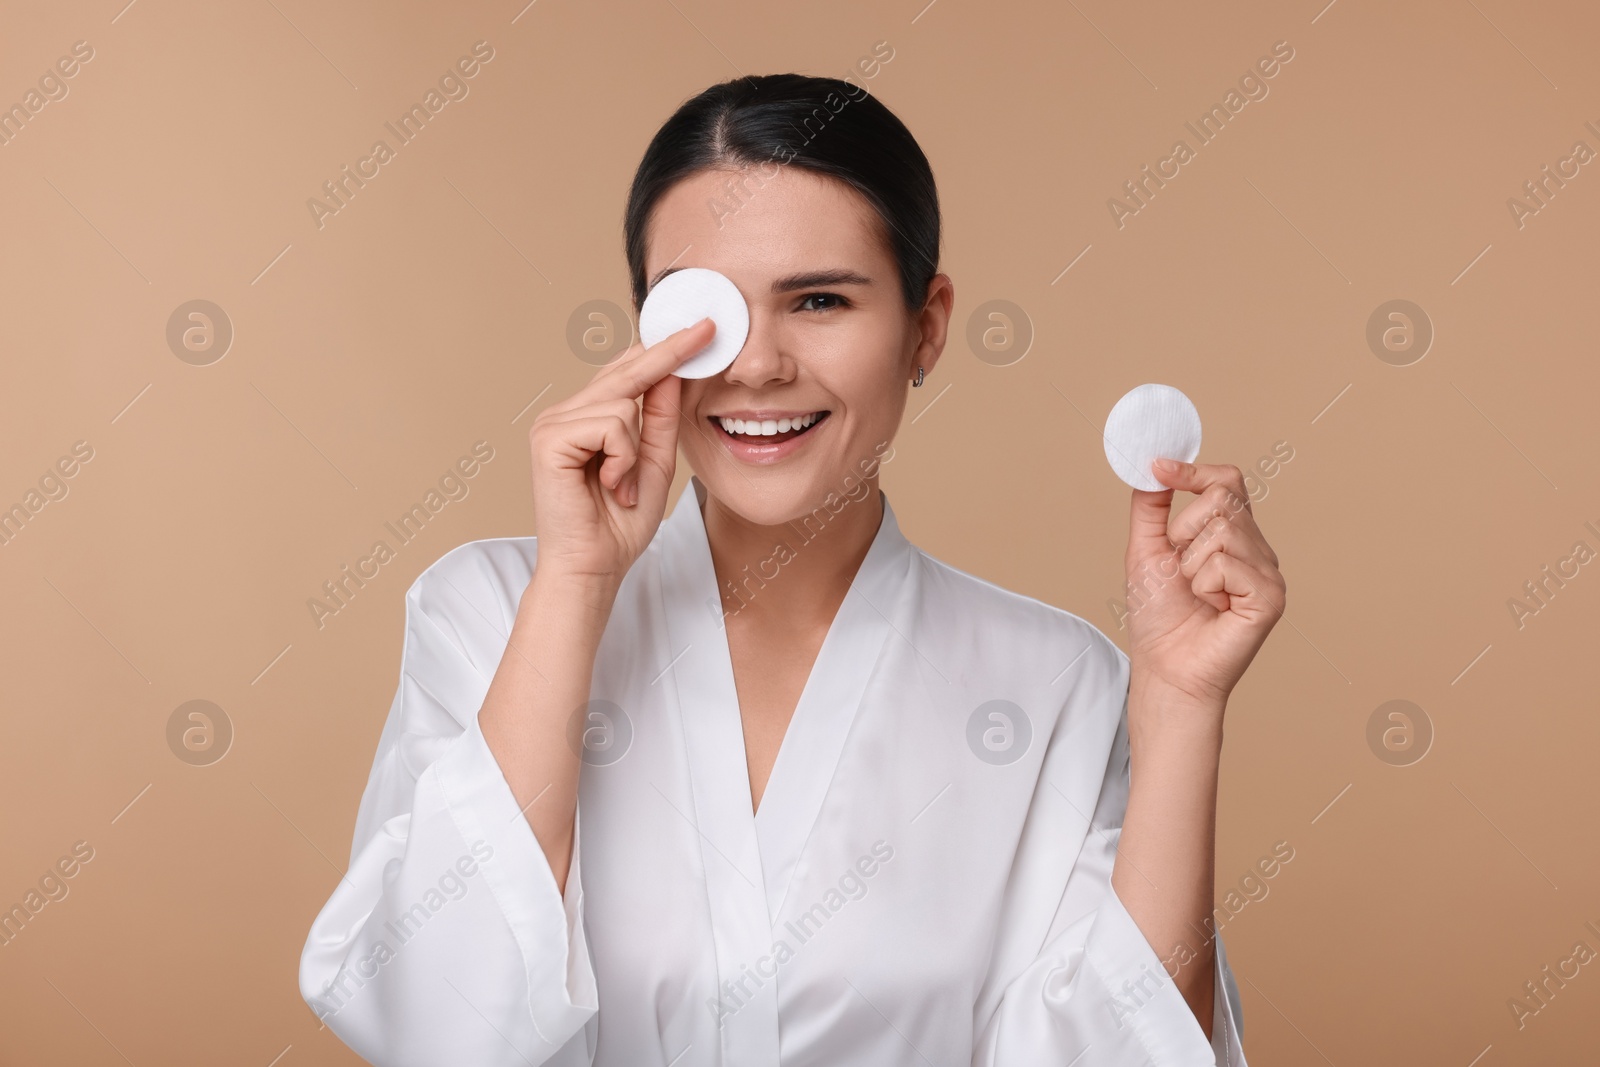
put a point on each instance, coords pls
(810, 279)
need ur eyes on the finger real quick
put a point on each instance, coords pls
(577, 441)
(658, 444)
(1198, 477)
(1204, 510)
(1193, 516)
(635, 372)
(619, 473)
(1147, 524)
(621, 450)
(618, 407)
(1221, 535)
(1196, 518)
(1229, 584)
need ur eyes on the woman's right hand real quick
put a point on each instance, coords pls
(602, 465)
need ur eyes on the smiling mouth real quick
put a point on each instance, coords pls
(768, 431)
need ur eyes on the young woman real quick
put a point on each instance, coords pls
(759, 782)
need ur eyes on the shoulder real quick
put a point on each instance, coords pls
(484, 577)
(980, 615)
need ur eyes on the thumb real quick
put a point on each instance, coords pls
(658, 436)
(1147, 524)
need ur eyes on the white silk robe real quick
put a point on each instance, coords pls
(926, 882)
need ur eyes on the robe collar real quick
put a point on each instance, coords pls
(688, 554)
(750, 860)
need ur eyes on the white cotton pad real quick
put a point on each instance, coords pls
(682, 299)
(1150, 422)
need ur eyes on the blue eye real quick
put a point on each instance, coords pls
(842, 302)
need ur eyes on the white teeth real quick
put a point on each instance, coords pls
(767, 427)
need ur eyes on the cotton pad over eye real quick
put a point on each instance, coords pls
(1150, 422)
(682, 299)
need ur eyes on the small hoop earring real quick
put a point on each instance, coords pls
(919, 378)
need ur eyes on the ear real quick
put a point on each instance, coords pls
(933, 323)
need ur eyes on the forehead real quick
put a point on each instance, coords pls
(745, 222)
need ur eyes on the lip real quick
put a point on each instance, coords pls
(763, 454)
(762, 414)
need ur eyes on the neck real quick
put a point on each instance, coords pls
(795, 572)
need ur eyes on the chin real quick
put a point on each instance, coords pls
(769, 497)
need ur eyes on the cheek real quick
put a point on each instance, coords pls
(689, 394)
(697, 442)
(864, 370)
(693, 432)
(888, 420)
(876, 385)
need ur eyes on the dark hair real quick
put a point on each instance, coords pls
(826, 125)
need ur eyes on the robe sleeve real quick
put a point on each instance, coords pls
(1097, 994)
(447, 941)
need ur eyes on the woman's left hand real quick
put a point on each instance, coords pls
(1203, 596)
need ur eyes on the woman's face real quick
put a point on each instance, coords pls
(830, 338)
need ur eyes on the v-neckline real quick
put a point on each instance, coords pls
(814, 737)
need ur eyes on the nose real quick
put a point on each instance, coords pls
(761, 361)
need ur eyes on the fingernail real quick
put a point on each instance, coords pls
(1169, 465)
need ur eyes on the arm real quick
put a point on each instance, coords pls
(602, 466)
(457, 934)
(1097, 994)
(544, 675)
(447, 940)
(1169, 834)
(1203, 593)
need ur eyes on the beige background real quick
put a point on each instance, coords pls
(431, 312)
